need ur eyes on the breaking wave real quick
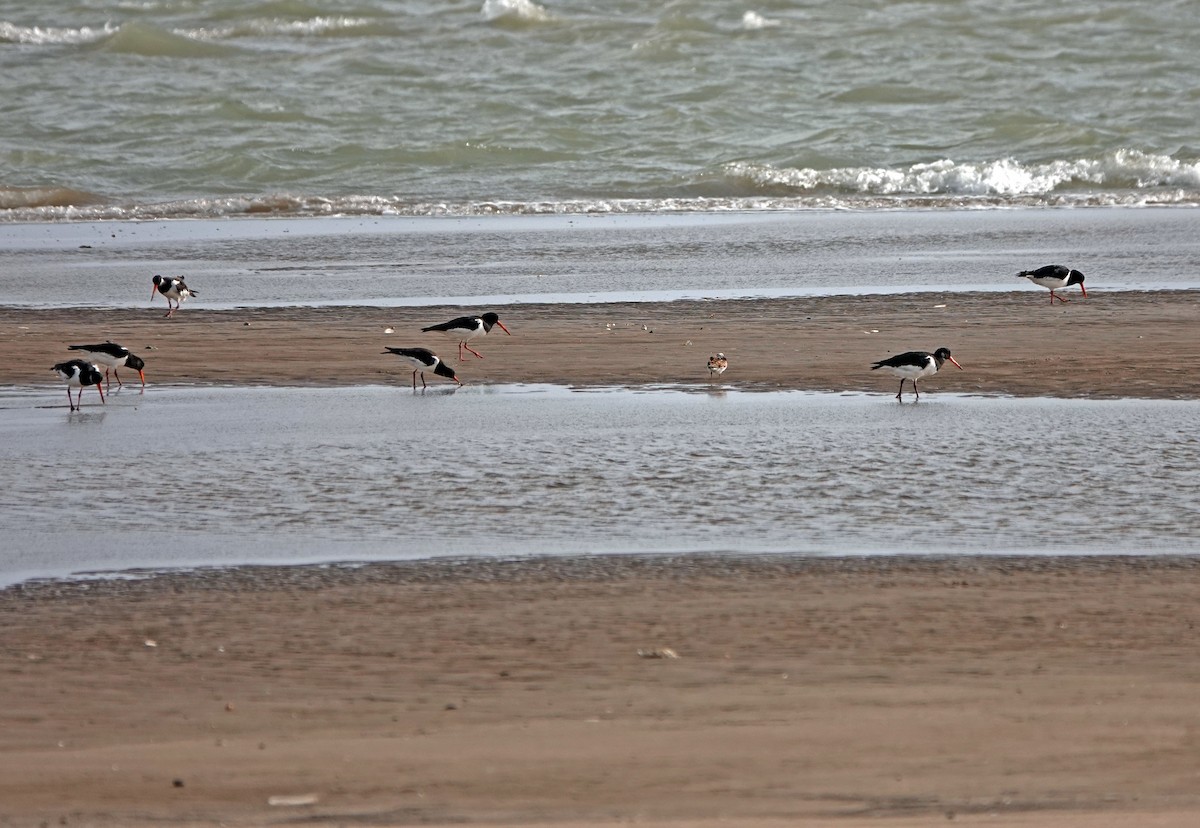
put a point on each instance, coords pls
(321, 26)
(53, 35)
(142, 38)
(298, 206)
(1122, 170)
(514, 11)
(1123, 178)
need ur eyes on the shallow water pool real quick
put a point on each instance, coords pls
(185, 476)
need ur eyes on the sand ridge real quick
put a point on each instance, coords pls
(1109, 345)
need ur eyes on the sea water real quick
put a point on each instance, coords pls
(169, 108)
(182, 477)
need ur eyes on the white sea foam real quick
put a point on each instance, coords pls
(289, 28)
(752, 21)
(53, 35)
(285, 205)
(1002, 177)
(522, 10)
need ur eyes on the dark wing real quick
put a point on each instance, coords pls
(423, 354)
(1048, 272)
(462, 323)
(914, 358)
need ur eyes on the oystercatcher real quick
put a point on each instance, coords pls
(76, 374)
(422, 360)
(1054, 277)
(112, 356)
(717, 365)
(466, 328)
(915, 365)
(172, 287)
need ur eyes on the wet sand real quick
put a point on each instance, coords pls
(855, 692)
(1039, 692)
(1109, 345)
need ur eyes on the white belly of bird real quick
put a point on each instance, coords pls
(1053, 284)
(105, 360)
(416, 364)
(912, 372)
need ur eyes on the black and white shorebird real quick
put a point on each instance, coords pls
(1055, 277)
(717, 365)
(915, 365)
(172, 287)
(110, 356)
(77, 373)
(466, 328)
(422, 360)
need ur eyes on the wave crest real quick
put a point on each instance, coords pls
(65, 207)
(151, 41)
(514, 11)
(752, 21)
(35, 198)
(53, 35)
(322, 26)
(1122, 169)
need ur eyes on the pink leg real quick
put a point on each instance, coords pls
(472, 350)
(70, 401)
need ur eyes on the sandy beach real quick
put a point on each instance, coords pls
(873, 691)
(1109, 345)
(876, 691)
(280, 584)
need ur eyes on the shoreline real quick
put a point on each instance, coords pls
(597, 568)
(1108, 346)
(857, 691)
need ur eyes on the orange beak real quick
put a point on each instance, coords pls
(153, 290)
(1083, 290)
(501, 324)
(143, 376)
(955, 361)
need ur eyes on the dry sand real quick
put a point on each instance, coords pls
(852, 692)
(1110, 345)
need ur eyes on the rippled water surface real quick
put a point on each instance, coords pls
(170, 108)
(186, 476)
